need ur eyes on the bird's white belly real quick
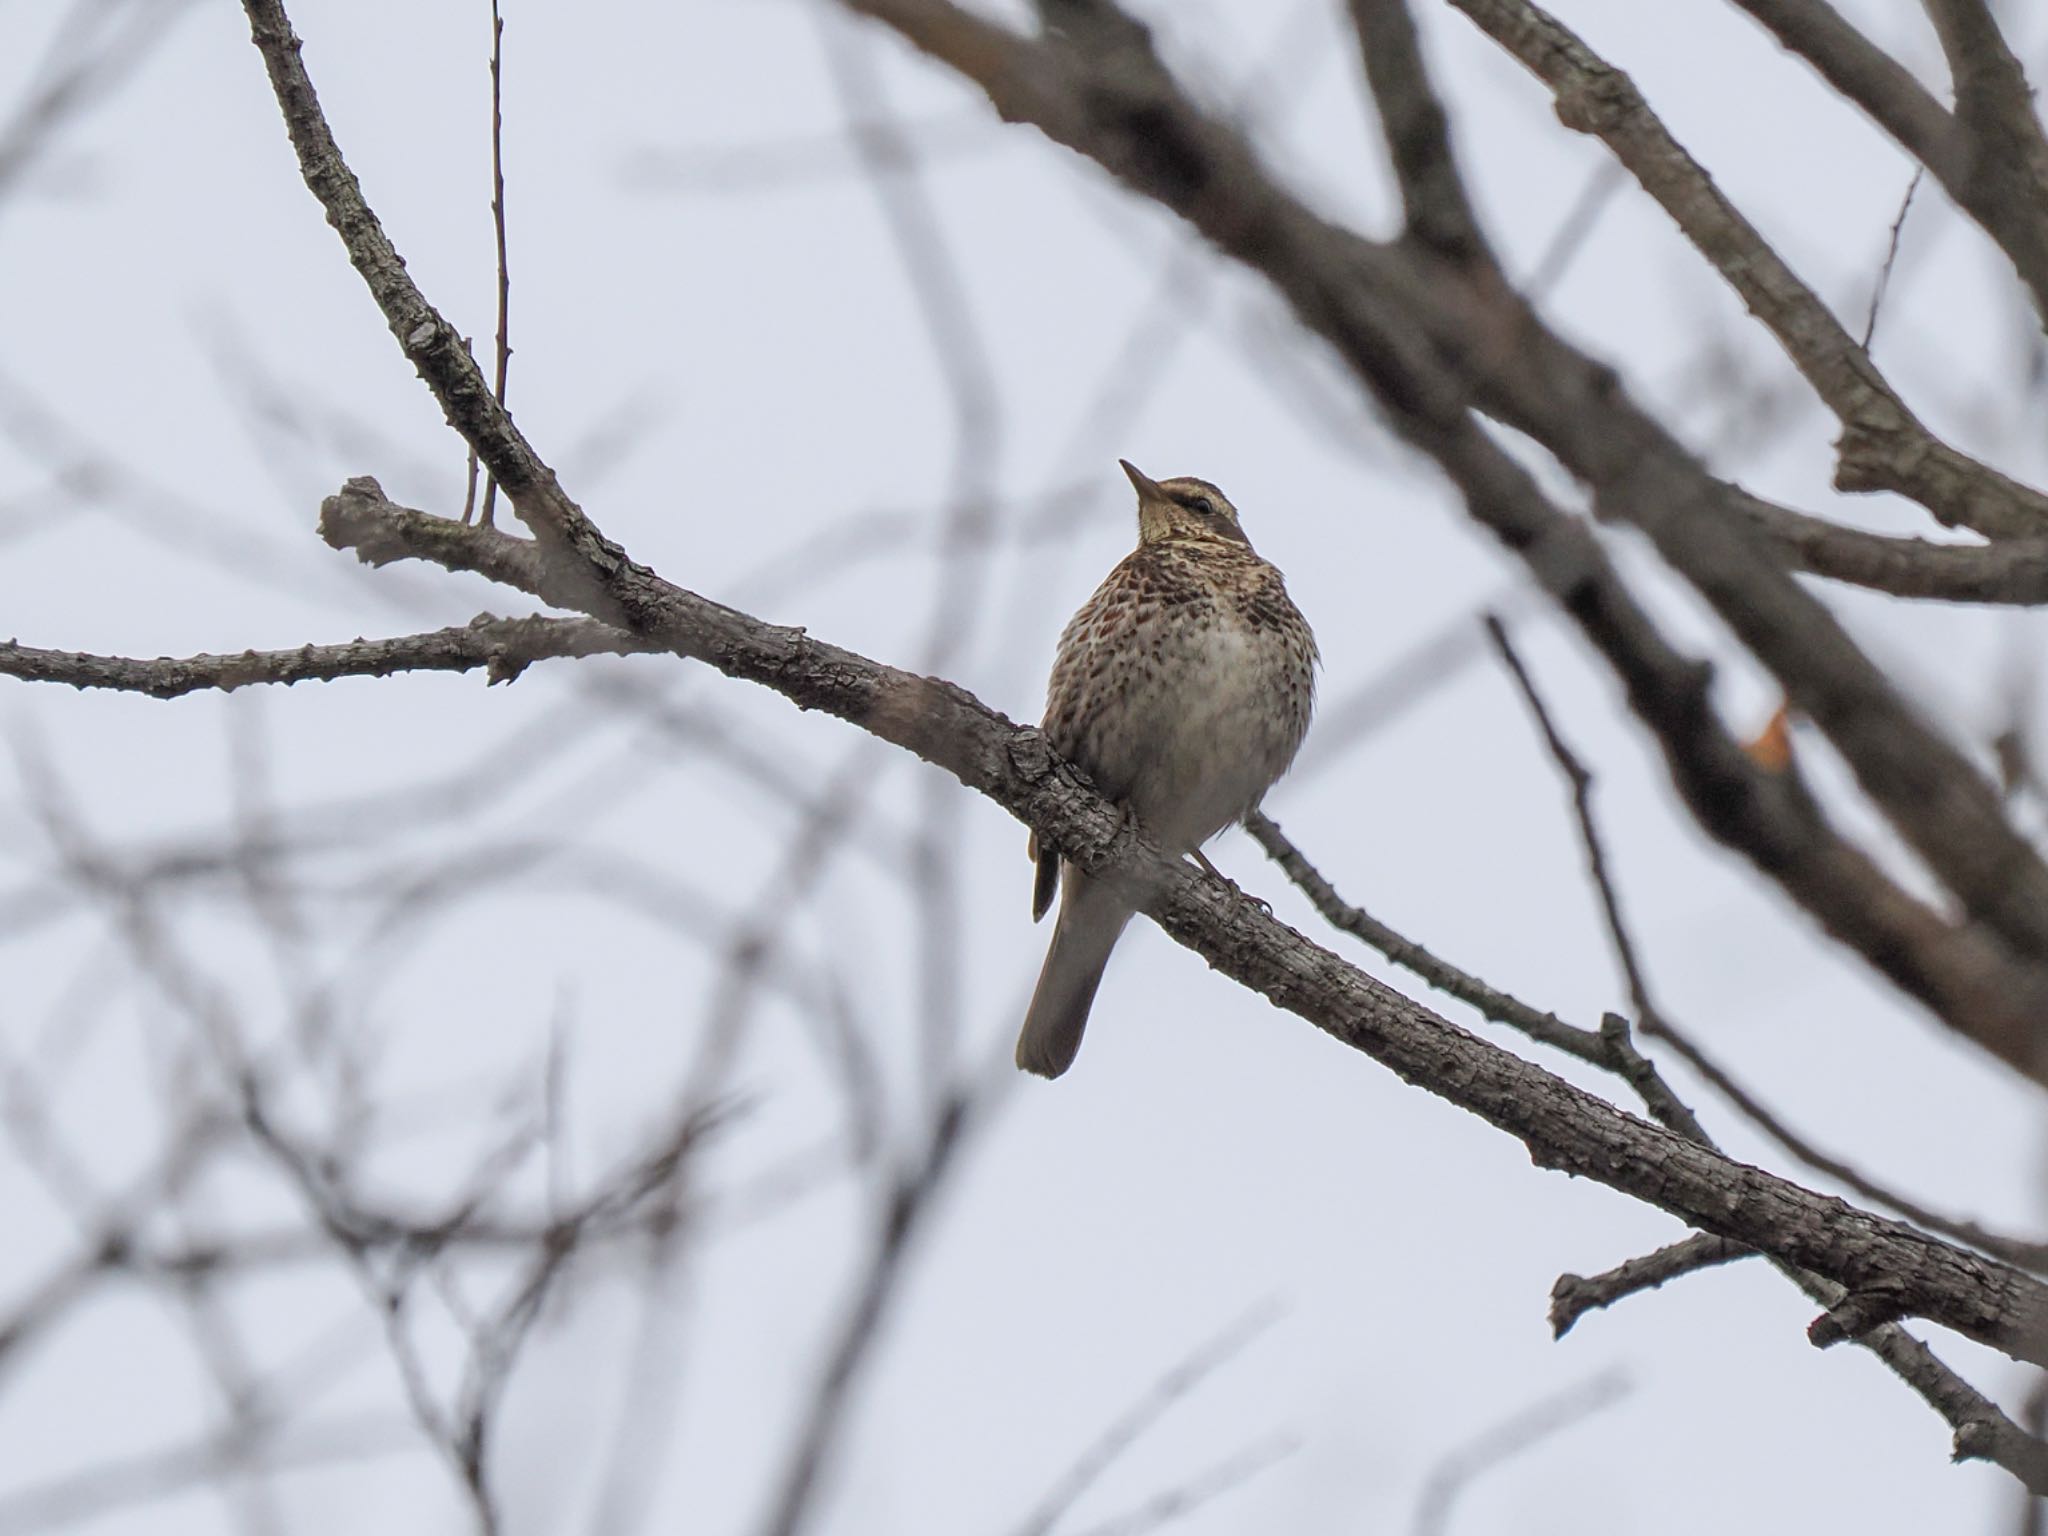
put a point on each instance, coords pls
(1216, 737)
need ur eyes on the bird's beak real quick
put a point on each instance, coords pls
(1146, 487)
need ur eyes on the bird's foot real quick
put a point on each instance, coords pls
(1260, 902)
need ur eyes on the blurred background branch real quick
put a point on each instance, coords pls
(584, 1104)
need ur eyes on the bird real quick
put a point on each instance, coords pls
(1183, 689)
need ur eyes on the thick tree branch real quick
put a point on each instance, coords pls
(1432, 347)
(1417, 133)
(1931, 793)
(1656, 1024)
(1994, 103)
(429, 342)
(1883, 445)
(1783, 627)
(1867, 76)
(1867, 1316)
(503, 647)
(1848, 1316)
(1981, 1429)
(2005, 179)
(1564, 1127)
(2002, 194)
(2019, 1252)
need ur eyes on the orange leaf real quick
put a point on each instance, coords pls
(1771, 748)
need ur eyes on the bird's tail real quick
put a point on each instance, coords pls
(1091, 920)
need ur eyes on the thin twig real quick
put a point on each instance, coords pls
(906, 1211)
(1570, 238)
(948, 726)
(1866, 1312)
(1581, 783)
(1884, 446)
(498, 227)
(1657, 1026)
(1891, 255)
(1177, 1503)
(504, 648)
(1573, 1296)
(1533, 1425)
(1494, 1004)
(1609, 1047)
(1197, 1366)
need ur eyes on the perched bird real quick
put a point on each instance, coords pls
(1183, 687)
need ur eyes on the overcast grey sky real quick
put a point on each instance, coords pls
(720, 345)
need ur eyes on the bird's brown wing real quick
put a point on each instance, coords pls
(1048, 882)
(1094, 634)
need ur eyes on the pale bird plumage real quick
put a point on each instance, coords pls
(1183, 687)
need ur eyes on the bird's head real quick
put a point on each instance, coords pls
(1182, 508)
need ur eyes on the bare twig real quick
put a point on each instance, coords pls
(1891, 256)
(1657, 1025)
(951, 729)
(1865, 1311)
(1581, 783)
(1398, 321)
(1573, 1296)
(1884, 446)
(1609, 1048)
(1176, 1503)
(1985, 162)
(1130, 1426)
(429, 342)
(1574, 229)
(948, 727)
(906, 1211)
(504, 337)
(1522, 1432)
(2011, 571)
(504, 648)
(1501, 1007)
